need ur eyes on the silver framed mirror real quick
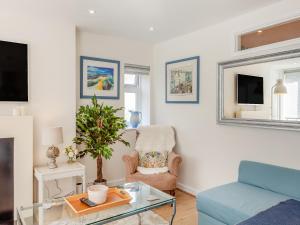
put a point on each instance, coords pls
(261, 91)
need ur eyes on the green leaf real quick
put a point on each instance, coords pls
(97, 128)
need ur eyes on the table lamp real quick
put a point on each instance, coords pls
(278, 89)
(52, 137)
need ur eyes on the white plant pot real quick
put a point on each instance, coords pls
(97, 193)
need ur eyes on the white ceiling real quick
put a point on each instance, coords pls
(132, 18)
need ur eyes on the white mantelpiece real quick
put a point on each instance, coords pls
(21, 129)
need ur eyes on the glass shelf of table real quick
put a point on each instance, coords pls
(57, 212)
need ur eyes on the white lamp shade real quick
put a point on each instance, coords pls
(280, 88)
(52, 136)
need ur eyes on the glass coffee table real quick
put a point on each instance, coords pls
(57, 212)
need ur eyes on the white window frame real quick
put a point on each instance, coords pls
(286, 73)
(141, 89)
(134, 88)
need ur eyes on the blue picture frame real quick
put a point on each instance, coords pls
(197, 100)
(116, 62)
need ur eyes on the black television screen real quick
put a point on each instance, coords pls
(250, 89)
(13, 72)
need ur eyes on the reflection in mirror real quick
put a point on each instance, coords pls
(263, 91)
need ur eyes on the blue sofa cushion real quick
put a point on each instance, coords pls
(204, 219)
(236, 202)
(274, 178)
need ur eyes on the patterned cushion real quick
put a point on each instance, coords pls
(153, 159)
(148, 171)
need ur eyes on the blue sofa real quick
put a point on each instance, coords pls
(259, 187)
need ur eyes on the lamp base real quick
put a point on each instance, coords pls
(52, 153)
(52, 163)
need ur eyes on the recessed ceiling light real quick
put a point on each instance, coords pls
(92, 11)
(151, 28)
(259, 31)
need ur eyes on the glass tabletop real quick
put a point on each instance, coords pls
(57, 212)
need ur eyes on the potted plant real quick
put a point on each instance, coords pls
(97, 128)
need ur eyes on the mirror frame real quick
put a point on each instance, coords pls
(273, 124)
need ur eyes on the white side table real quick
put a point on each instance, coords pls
(66, 170)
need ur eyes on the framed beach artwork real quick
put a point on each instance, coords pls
(182, 80)
(100, 77)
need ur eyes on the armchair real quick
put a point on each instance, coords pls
(162, 181)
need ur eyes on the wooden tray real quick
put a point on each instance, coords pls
(115, 197)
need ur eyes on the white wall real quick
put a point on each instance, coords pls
(211, 153)
(23, 156)
(126, 51)
(52, 70)
(52, 66)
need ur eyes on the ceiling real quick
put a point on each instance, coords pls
(133, 18)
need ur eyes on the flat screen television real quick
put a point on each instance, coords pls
(13, 72)
(250, 89)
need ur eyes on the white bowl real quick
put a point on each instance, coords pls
(97, 193)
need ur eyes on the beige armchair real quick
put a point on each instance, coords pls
(162, 181)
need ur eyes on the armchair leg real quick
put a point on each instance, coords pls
(172, 192)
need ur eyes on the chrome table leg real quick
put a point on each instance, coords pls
(174, 211)
(139, 219)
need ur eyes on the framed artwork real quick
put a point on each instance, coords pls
(182, 80)
(100, 77)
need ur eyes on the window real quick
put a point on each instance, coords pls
(137, 91)
(269, 35)
(291, 109)
(132, 94)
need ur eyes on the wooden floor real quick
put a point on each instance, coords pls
(186, 210)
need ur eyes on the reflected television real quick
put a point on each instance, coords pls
(250, 89)
(13, 72)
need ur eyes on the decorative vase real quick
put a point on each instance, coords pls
(135, 118)
(71, 153)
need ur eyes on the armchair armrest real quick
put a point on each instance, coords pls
(131, 162)
(174, 161)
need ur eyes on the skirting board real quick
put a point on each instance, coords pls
(187, 189)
